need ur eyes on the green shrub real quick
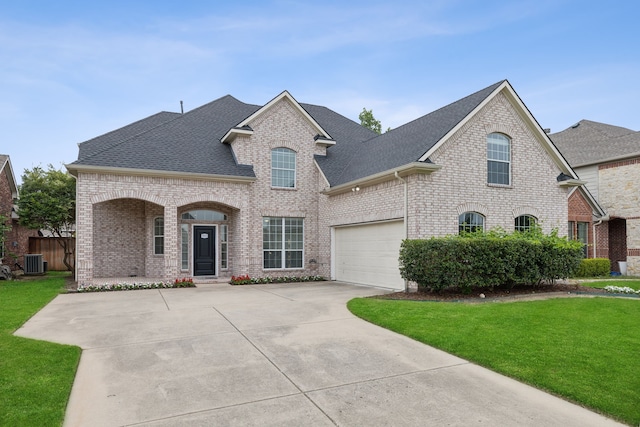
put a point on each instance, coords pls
(593, 267)
(488, 259)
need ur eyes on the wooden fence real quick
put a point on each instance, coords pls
(51, 251)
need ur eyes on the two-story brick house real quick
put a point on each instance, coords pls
(607, 158)
(296, 189)
(16, 242)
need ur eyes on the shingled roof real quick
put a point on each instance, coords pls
(403, 145)
(190, 142)
(587, 143)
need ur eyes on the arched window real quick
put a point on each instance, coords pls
(498, 159)
(469, 222)
(525, 222)
(283, 168)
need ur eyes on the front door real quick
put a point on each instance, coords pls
(204, 250)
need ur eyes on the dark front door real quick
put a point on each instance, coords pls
(204, 251)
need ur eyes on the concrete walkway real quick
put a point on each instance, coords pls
(272, 355)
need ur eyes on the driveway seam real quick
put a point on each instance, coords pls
(278, 368)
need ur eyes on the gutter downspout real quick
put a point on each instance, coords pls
(594, 225)
(406, 216)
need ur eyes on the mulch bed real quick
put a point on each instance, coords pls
(560, 289)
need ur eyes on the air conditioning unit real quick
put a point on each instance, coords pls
(33, 264)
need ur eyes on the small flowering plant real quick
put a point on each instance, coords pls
(240, 280)
(246, 280)
(621, 290)
(108, 287)
(185, 282)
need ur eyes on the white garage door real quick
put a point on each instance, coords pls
(368, 254)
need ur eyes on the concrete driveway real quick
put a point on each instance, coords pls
(272, 355)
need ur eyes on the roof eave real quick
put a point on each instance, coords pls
(405, 170)
(75, 169)
(235, 132)
(571, 183)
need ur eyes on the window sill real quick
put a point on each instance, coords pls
(283, 269)
(499, 185)
(284, 188)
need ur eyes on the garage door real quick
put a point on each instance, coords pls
(368, 254)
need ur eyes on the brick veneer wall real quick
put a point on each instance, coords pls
(105, 198)
(16, 239)
(580, 211)
(619, 195)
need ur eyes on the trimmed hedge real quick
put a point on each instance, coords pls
(593, 267)
(488, 259)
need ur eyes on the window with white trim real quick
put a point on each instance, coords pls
(470, 222)
(282, 242)
(283, 168)
(498, 159)
(224, 246)
(158, 236)
(525, 222)
(184, 246)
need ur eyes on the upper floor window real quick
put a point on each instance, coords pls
(470, 222)
(524, 223)
(158, 236)
(283, 168)
(498, 159)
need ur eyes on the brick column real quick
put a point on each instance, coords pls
(84, 237)
(171, 249)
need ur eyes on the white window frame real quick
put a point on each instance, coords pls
(282, 243)
(470, 226)
(497, 154)
(520, 227)
(184, 247)
(158, 237)
(223, 236)
(277, 157)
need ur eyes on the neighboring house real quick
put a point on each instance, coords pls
(608, 158)
(17, 239)
(296, 189)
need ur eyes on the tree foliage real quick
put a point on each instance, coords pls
(369, 121)
(48, 202)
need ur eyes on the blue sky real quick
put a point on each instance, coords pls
(73, 70)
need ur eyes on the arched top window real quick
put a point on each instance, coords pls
(470, 222)
(525, 222)
(283, 168)
(498, 159)
(204, 215)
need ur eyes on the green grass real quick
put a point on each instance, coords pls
(631, 283)
(35, 376)
(584, 349)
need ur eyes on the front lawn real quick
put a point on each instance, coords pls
(35, 376)
(631, 283)
(584, 349)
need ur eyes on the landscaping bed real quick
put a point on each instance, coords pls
(499, 293)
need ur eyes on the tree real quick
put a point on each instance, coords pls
(367, 120)
(48, 202)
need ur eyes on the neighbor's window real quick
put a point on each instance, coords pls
(282, 242)
(185, 246)
(525, 223)
(583, 235)
(469, 222)
(224, 247)
(498, 159)
(158, 236)
(283, 168)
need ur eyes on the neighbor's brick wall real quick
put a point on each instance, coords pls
(580, 211)
(16, 239)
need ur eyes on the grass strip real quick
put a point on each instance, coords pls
(583, 349)
(35, 376)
